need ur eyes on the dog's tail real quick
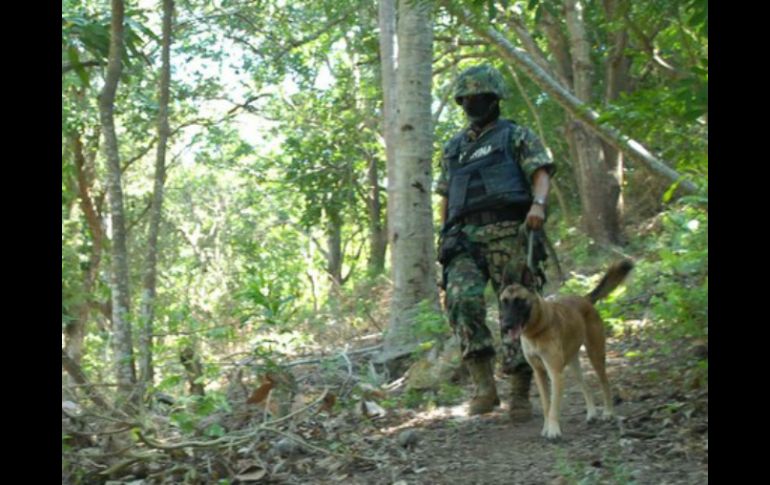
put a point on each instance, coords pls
(615, 276)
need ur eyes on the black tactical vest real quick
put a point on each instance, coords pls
(485, 175)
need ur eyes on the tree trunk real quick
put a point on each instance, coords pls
(334, 249)
(598, 188)
(75, 331)
(378, 236)
(617, 69)
(121, 324)
(414, 274)
(148, 295)
(387, 22)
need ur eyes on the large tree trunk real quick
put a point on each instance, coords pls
(148, 295)
(121, 324)
(598, 188)
(414, 275)
(387, 22)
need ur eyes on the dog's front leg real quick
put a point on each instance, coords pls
(542, 390)
(552, 429)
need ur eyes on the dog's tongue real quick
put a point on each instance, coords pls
(514, 333)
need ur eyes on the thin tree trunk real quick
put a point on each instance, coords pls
(334, 249)
(598, 198)
(387, 23)
(75, 331)
(148, 295)
(378, 236)
(121, 324)
(414, 274)
(618, 65)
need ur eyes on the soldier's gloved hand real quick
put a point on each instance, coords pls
(535, 217)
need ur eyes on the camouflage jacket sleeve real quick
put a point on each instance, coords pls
(532, 153)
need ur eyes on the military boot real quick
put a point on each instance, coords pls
(520, 408)
(485, 398)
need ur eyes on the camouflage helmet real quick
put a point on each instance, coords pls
(480, 79)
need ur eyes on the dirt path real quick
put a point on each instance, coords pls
(660, 437)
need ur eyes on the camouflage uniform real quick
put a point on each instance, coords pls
(499, 243)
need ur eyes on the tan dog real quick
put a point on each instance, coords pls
(552, 332)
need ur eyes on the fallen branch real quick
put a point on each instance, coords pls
(318, 360)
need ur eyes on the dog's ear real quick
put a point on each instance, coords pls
(528, 279)
(509, 276)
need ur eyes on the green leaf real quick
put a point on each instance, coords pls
(74, 58)
(133, 25)
(215, 431)
(670, 192)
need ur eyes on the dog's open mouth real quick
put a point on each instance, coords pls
(514, 333)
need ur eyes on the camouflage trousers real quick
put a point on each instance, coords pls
(501, 245)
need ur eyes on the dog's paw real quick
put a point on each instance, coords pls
(608, 416)
(591, 417)
(552, 432)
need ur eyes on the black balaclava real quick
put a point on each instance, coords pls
(481, 109)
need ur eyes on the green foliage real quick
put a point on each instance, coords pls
(190, 410)
(669, 285)
(429, 323)
(613, 469)
(86, 37)
(447, 395)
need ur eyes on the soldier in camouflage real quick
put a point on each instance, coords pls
(495, 180)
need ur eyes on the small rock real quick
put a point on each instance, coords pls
(286, 447)
(407, 438)
(70, 408)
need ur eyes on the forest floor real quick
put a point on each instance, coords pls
(659, 436)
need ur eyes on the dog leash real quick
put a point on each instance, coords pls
(549, 247)
(530, 250)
